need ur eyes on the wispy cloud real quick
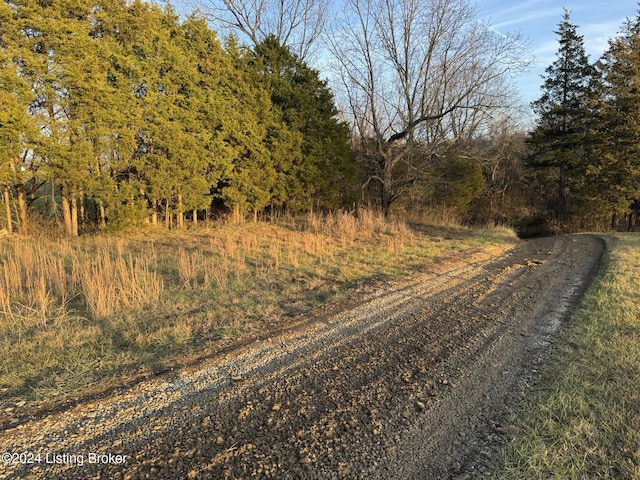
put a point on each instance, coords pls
(545, 52)
(537, 20)
(502, 17)
(597, 35)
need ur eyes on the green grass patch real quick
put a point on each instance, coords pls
(75, 312)
(582, 420)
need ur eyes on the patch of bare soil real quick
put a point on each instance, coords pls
(410, 380)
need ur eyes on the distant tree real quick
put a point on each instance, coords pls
(416, 74)
(566, 112)
(296, 24)
(457, 180)
(509, 186)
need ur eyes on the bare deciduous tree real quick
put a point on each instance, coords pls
(295, 23)
(417, 75)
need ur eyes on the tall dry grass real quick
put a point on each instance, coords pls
(352, 228)
(45, 276)
(73, 311)
(111, 283)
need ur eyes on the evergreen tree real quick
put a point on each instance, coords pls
(65, 65)
(47, 31)
(619, 129)
(565, 112)
(94, 109)
(17, 128)
(323, 174)
(250, 184)
(170, 163)
(130, 113)
(110, 110)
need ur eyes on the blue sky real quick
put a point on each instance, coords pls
(537, 20)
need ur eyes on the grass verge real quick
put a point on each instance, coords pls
(582, 420)
(78, 311)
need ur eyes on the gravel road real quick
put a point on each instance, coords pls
(407, 380)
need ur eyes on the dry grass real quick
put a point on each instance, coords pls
(76, 311)
(43, 277)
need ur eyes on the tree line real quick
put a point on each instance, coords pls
(587, 135)
(115, 113)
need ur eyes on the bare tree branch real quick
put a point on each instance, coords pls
(295, 23)
(421, 72)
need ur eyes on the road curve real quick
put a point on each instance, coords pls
(411, 381)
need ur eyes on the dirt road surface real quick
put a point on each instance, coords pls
(408, 380)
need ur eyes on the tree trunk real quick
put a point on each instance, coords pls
(74, 215)
(53, 211)
(387, 185)
(195, 217)
(66, 215)
(562, 194)
(101, 212)
(167, 215)
(22, 210)
(632, 221)
(179, 213)
(82, 211)
(635, 211)
(7, 206)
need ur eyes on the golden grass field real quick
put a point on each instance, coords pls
(76, 312)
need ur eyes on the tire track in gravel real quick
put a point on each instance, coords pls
(411, 383)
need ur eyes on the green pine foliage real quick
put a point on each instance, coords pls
(566, 111)
(588, 130)
(619, 129)
(322, 175)
(114, 113)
